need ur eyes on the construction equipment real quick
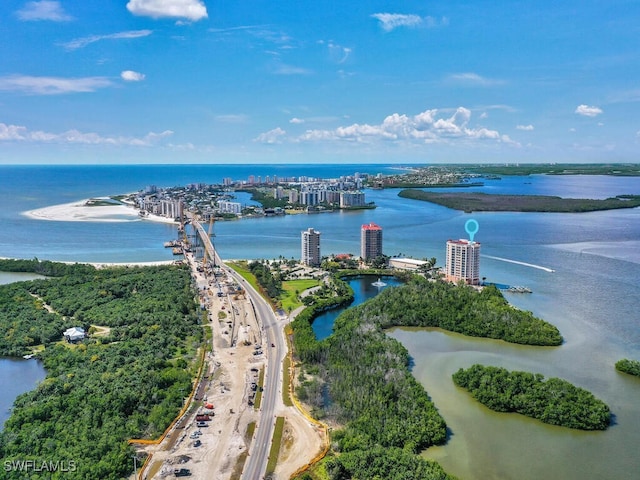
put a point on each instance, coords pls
(210, 234)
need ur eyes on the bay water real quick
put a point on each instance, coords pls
(583, 269)
(17, 375)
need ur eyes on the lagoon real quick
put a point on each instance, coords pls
(363, 289)
(17, 375)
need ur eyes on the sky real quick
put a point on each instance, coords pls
(198, 81)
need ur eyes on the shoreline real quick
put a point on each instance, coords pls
(151, 263)
(79, 211)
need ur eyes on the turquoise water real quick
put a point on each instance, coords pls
(592, 294)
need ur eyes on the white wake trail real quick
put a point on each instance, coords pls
(539, 267)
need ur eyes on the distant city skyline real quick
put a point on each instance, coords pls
(196, 81)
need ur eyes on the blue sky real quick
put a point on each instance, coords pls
(197, 81)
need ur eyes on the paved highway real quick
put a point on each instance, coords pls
(256, 464)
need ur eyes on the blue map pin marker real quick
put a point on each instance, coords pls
(471, 227)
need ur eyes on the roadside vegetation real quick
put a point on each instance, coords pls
(484, 202)
(105, 390)
(632, 367)
(554, 401)
(275, 448)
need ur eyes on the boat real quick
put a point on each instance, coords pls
(27, 357)
(379, 283)
(519, 289)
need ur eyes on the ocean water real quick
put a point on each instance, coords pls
(591, 294)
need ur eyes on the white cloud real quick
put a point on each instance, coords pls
(43, 10)
(22, 134)
(283, 69)
(272, 136)
(193, 10)
(131, 76)
(526, 128)
(84, 41)
(296, 121)
(425, 127)
(588, 111)
(470, 78)
(12, 132)
(51, 85)
(389, 21)
(338, 53)
(432, 22)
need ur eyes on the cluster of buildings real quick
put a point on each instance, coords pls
(311, 195)
(216, 199)
(370, 244)
(462, 258)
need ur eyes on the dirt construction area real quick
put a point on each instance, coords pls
(228, 399)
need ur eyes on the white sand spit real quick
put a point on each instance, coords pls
(79, 211)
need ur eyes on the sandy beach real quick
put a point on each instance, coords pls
(79, 211)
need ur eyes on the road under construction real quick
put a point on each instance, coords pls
(248, 343)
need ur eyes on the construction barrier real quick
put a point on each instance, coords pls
(298, 405)
(187, 405)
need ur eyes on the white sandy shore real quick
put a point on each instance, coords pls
(80, 212)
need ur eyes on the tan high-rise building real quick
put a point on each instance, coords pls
(310, 254)
(370, 241)
(463, 261)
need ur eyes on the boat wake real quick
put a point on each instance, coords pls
(539, 267)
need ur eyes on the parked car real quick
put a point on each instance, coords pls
(182, 472)
(197, 443)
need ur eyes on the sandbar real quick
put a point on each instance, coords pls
(79, 211)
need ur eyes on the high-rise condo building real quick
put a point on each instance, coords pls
(370, 241)
(310, 247)
(463, 261)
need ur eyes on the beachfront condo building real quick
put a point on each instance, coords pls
(463, 261)
(370, 241)
(310, 247)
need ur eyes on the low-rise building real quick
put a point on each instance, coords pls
(403, 263)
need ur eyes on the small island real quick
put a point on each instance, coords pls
(483, 202)
(554, 401)
(631, 367)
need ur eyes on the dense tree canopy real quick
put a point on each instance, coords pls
(43, 267)
(271, 283)
(362, 378)
(457, 308)
(632, 367)
(553, 401)
(107, 389)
